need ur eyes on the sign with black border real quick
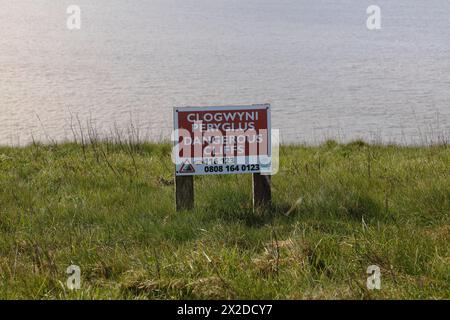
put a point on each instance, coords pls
(222, 140)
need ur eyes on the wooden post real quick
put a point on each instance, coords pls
(262, 193)
(184, 192)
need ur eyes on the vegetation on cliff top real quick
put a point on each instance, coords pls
(337, 209)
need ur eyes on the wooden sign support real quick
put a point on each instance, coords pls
(184, 192)
(262, 193)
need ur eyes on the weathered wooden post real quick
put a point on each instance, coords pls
(184, 192)
(262, 193)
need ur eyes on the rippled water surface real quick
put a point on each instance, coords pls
(325, 74)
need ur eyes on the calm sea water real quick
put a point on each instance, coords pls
(325, 74)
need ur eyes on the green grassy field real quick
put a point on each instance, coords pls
(337, 209)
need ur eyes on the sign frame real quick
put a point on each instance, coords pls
(245, 164)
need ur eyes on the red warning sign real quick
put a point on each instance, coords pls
(222, 140)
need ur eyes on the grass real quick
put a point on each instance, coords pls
(337, 209)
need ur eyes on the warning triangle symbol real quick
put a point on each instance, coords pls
(187, 167)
